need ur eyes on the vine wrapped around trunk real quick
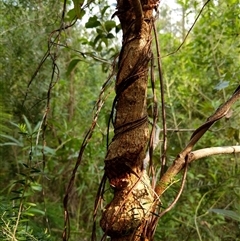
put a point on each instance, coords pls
(133, 197)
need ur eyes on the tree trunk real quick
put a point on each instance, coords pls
(124, 217)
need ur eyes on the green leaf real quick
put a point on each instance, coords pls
(28, 124)
(36, 211)
(10, 138)
(98, 37)
(21, 238)
(118, 28)
(227, 213)
(76, 11)
(71, 14)
(72, 65)
(104, 10)
(31, 204)
(36, 128)
(36, 187)
(84, 41)
(77, 7)
(8, 144)
(92, 22)
(47, 150)
(109, 25)
(105, 40)
(110, 35)
(99, 30)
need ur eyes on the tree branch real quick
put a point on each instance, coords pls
(198, 154)
(184, 155)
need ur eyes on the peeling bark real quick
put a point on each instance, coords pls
(133, 198)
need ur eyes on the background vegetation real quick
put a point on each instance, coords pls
(38, 154)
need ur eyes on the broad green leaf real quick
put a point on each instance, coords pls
(99, 30)
(77, 7)
(92, 22)
(105, 40)
(71, 14)
(72, 65)
(227, 213)
(118, 28)
(110, 35)
(109, 25)
(98, 37)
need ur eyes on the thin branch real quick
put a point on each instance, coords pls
(180, 160)
(155, 222)
(164, 123)
(179, 130)
(154, 136)
(198, 154)
(84, 54)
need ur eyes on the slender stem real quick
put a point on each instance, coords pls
(195, 216)
(164, 123)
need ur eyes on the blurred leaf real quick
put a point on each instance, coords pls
(72, 65)
(92, 22)
(222, 85)
(77, 7)
(36, 187)
(71, 14)
(28, 124)
(110, 35)
(14, 141)
(103, 10)
(227, 213)
(109, 25)
(33, 211)
(99, 38)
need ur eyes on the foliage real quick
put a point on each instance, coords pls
(37, 160)
(199, 77)
(4, 118)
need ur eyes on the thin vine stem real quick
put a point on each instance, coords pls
(163, 108)
(189, 31)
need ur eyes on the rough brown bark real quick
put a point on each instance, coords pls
(124, 216)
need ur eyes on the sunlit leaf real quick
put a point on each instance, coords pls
(36, 187)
